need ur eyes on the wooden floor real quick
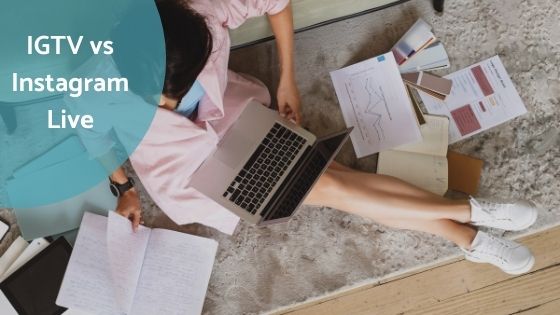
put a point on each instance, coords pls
(458, 287)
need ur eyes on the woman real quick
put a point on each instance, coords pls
(201, 99)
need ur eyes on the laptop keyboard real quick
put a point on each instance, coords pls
(267, 164)
(299, 188)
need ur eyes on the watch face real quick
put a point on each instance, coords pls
(114, 190)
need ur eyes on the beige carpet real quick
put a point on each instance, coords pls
(322, 250)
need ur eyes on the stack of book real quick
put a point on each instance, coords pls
(419, 51)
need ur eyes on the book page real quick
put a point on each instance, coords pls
(435, 134)
(126, 253)
(88, 282)
(175, 274)
(425, 171)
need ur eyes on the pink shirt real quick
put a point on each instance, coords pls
(175, 147)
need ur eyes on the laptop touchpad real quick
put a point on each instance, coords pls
(234, 149)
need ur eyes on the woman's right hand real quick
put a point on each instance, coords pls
(129, 207)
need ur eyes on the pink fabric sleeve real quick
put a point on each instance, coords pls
(236, 12)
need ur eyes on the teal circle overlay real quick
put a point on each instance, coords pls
(98, 66)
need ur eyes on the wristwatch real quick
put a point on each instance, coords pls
(119, 189)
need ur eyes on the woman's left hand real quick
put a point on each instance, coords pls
(288, 99)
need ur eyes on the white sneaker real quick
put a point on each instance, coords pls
(511, 257)
(507, 216)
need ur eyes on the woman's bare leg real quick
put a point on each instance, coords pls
(394, 203)
(458, 233)
(383, 198)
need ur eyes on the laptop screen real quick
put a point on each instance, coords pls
(331, 144)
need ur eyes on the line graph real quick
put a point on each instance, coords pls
(370, 104)
(374, 101)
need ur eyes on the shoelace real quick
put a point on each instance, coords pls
(490, 208)
(495, 247)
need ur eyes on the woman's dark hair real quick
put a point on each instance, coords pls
(188, 46)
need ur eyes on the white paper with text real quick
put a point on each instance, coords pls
(374, 101)
(483, 96)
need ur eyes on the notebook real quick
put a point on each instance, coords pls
(32, 289)
(423, 164)
(153, 271)
(464, 173)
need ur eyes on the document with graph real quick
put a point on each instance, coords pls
(423, 164)
(374, 101)
(482, 97)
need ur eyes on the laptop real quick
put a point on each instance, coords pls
(265, 166)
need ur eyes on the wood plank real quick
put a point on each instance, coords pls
(550, 308)
(429, 287)
(506, 297)
(356, 289)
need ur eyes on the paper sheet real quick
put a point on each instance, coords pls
(434, 137)
(87, 283)
(126, 253)
(155, 271)
(175, 274)
(374, 100)
(482, 97)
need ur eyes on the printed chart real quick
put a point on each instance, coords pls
(482, 97)
(374, 101)
(368, 98)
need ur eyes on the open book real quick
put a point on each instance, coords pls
(423, 164)
(113, 270)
